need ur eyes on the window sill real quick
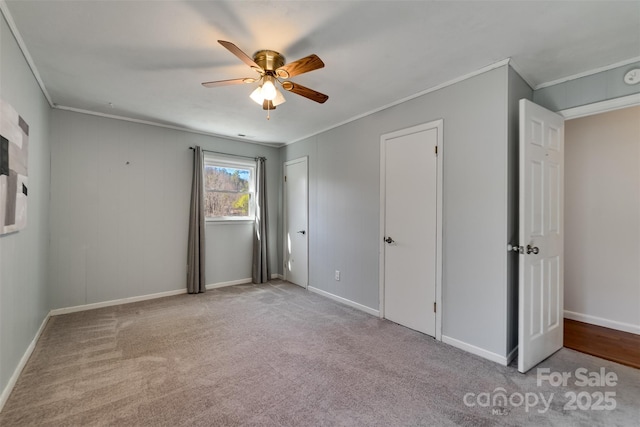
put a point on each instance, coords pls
(229, 221)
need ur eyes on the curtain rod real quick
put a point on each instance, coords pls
(232, 155)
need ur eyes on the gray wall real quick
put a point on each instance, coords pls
(518, 89)
(587, 90)
(23, 255)
(344, 195)
(120, 206)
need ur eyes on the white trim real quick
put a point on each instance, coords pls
(382, 209)
(605, 323)
(229, 283)
(229, 220)
(601, 107)
(305, 160)
(439, 126)
(277, 276)
(439, 228)
(23, 47)
(21, 364)
(85, 307)
(512, 355)
(409, 98)
(588, 73)
(485, 354)
(162, 125)
(345, 301)
(216, 160)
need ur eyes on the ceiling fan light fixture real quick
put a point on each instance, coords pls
(256, 95)
(267, 92)
(268, 89)
(279, 99)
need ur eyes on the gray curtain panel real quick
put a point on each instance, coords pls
(196, 251)
(261, 267)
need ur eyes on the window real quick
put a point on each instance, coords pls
(229, 186)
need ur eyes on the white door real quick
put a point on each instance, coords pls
(296, 223)
(410, 229)
(541, 269)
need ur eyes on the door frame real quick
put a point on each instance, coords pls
(599, 107)
(305, 160)
(595, 108)
(436, 124)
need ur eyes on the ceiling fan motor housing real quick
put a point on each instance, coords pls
(269, 60)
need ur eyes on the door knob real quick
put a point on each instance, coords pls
(302, 232)
(388, 240)
(516, 249)
(532, 250)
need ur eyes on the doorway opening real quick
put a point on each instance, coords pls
(602, 199)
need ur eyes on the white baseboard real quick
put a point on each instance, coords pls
(128, 300)
(606, 323)
(277, 276)
(230, 283)
(93, 306)
(494, 357)
(239, 282)
(23, 361)
(344, 301)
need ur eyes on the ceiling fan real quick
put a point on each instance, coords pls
(271, 67)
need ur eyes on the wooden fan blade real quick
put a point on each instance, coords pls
(305, 91)
(240, 54)
(228, 82)
(303, 65)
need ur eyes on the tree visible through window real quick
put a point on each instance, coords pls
(229, 189)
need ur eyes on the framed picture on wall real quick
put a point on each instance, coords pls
(14, 149)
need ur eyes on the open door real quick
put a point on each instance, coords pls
(541, 265)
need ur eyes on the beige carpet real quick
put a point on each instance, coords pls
(274, 355)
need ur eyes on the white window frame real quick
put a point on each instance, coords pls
(222, 161)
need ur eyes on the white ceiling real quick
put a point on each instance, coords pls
(148, 58)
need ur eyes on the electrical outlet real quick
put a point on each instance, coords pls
(338, 275)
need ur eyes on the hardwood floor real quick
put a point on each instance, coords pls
(610, 344)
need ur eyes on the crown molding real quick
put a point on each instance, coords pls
(588, 73)
(162, 125)
(23, 47)
(409, 98)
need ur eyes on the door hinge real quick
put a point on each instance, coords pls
(285, 178)
(434, 307)
(436, 149)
